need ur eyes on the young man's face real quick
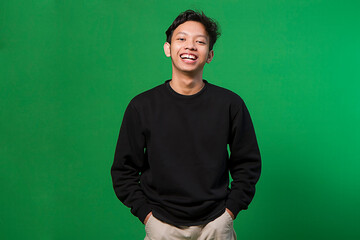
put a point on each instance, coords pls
(189, 48)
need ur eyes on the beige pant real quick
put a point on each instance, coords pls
(219, 229)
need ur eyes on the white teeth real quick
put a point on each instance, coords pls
(189, 56)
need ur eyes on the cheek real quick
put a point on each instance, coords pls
(175, 47)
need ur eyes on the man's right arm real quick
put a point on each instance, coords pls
(128, 161)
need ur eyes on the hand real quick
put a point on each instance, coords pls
(231, 214)
(147, 218)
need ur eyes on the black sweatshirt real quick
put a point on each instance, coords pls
(171, 156)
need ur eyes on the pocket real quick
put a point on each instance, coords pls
(229, 216)
(148, 221)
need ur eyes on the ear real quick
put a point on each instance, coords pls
(210, 56)
(167, 49)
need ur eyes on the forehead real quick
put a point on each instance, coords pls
(192, 28)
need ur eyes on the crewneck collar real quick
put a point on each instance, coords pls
(182, 96)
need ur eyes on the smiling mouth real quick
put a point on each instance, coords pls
(188, 56)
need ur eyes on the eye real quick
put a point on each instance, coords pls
(181, 39)
(201, 42)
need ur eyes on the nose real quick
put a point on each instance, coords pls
(190, 45)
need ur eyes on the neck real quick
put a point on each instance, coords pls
(186, 84)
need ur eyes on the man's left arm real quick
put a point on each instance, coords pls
(245, 160)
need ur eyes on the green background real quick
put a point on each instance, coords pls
(69, 68)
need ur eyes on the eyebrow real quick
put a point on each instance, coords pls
(199, 35)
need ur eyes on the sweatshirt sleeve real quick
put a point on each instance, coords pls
(244, 162)
(128, 161)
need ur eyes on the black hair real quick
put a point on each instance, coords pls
(210, 25)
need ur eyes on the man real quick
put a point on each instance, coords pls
(171, 164)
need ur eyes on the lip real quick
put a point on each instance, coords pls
(189, 60)
(189, 54)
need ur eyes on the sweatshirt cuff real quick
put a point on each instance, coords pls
(234, 207)
(143, 212)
